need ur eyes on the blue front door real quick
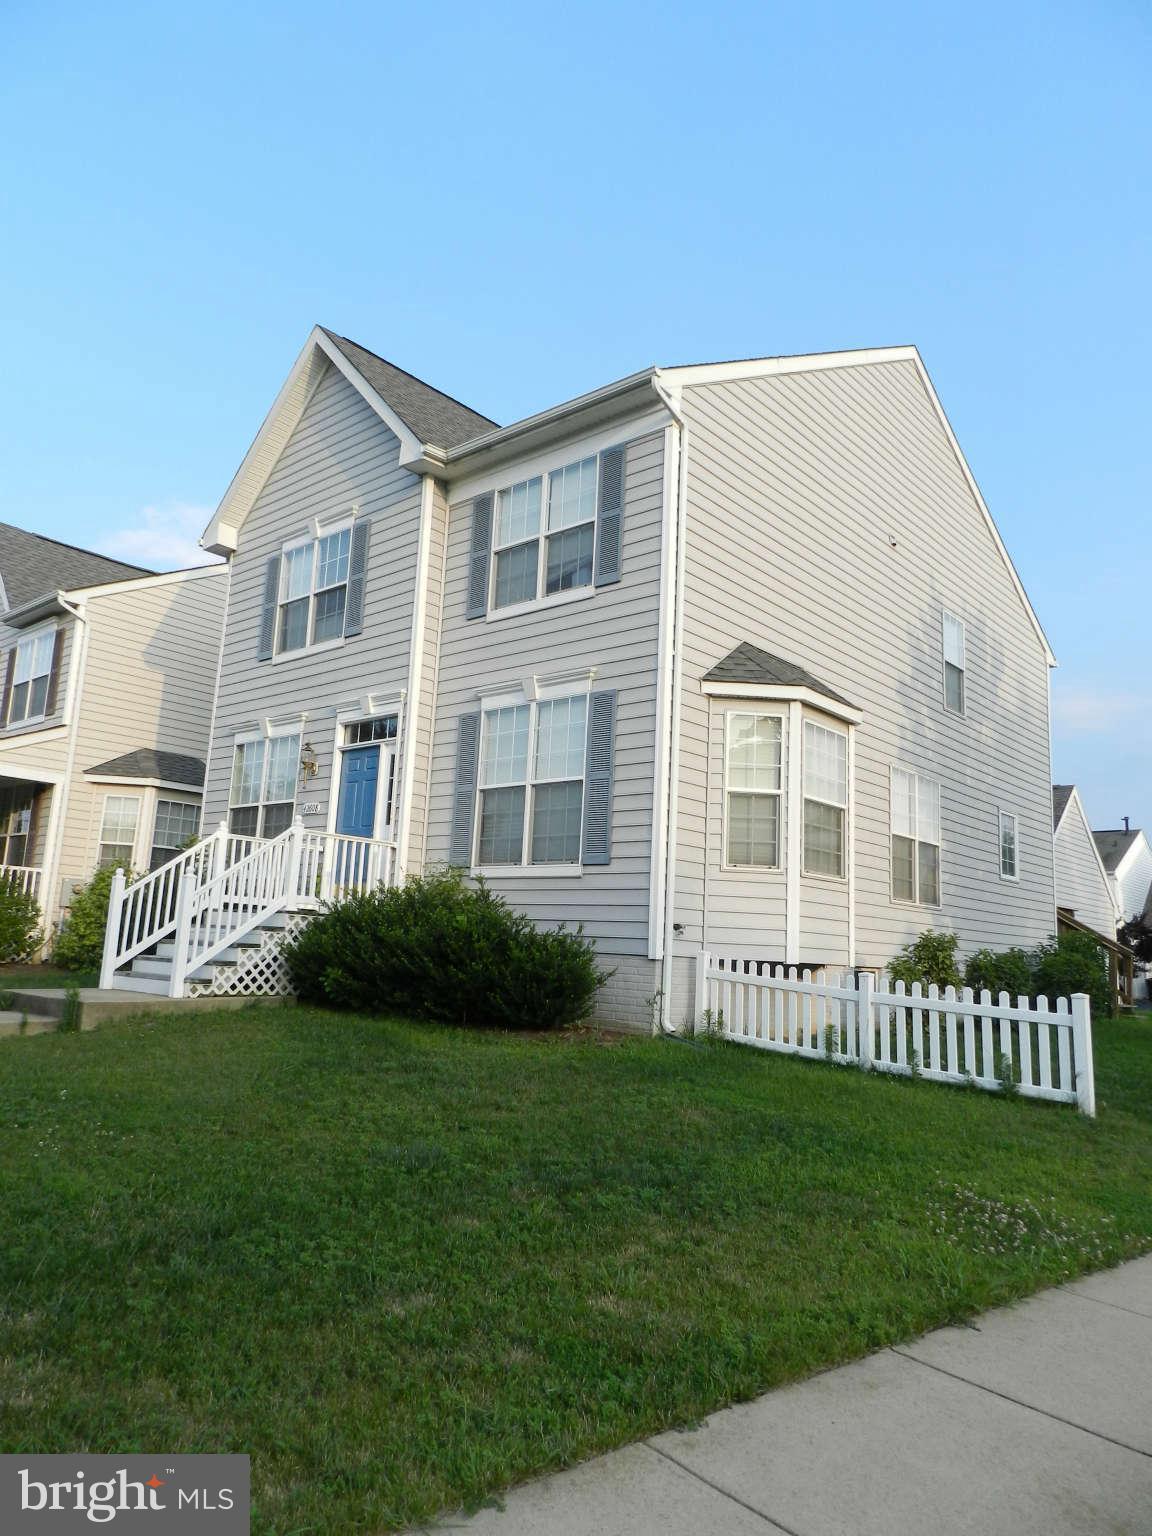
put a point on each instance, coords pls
(356, 816)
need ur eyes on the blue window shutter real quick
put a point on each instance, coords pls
(464, 795)
(599, 753)
(609, 516)
(268, 614)
(357, 565)
(480, 556)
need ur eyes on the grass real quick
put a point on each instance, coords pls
(21, 976)
(404, 1267)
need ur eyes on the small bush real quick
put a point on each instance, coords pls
(437, 949)
(80, 942)
(1074, 962)
(20, 933)
(929, 958)
(1009, 970)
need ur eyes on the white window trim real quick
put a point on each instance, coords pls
(1001, 818)
(782, 828)
(134, 856)
(32, 637)
(902, 901)
(542, 599)
(319, 531)
(390, 762)
(532, 701)
(820, 874)
(945, 615)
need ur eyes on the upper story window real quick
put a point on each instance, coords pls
(32, 677)
(955, 651)
(825, 772)
(264, 774)
(1009, 847)
(313, 591)
(915, 838)
(754, 751)
(532, 782)
(118, 830)
(545, 535)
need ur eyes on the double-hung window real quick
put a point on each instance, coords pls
(955, 651)
(753, 770)
(313, 591)
(264, 774)
(1009, 847)
(177, 823)
(118, 830)
(915, 838)
(15, 824)
(545, 535)
(825, 771)
(532, 782)
(31, 677)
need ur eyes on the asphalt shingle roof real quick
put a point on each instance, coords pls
(1061, 794)
(431, 416)
(1113, 845)
(31, 566)
(152, 763)
(749, 664)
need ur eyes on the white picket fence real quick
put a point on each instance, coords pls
(950, 1036)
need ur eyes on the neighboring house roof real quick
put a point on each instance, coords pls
(32, 566)
(433, 417)
(749, 664)
(1113, 845)
(1061, 794)
(149, 763)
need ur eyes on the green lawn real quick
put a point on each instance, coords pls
(404, 1267)
(45, 976)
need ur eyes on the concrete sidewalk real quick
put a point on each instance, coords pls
(1036, 1419)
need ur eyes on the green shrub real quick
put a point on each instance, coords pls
(80, 942)
(437, 949)
(927, 959)
(1074, 962)
(1009, 970)
(20, 932)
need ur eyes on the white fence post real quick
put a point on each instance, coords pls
(112, 929)
(1082, 1064)
(295, 849)
(864, 1018)
(182, 935)
(700, 1002)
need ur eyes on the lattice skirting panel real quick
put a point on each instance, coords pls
(260, 971)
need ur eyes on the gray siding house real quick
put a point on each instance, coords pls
(107, 675)
(727, 658)
(1083, 886)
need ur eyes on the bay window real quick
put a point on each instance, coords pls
(753, 767)
(263, 795)
(177, 823)
(825, 771)
(915, 838)
(545, 534)
(313, 591)
(532, 782)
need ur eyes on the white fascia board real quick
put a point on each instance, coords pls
(141, 583)
(223, 532)
(785, 693)
(143, 783)
(676, 380)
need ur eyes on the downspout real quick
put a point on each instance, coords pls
(673, 798)
(72, 716)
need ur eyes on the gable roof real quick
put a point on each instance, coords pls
(749, 664)
(153, 763)
(33, 565)
(1061, 794)
(432, 417)
(1113, 844)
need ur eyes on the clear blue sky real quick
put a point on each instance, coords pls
(522, 202)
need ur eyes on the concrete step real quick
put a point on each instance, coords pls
(25, 1024)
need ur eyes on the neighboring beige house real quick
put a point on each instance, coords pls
(726, 658)
(108, 677)
(1083, 887)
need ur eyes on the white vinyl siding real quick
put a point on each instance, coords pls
(1009, 847)
(754, 752)
(825, 765)
(1082, 886)
(955, 651)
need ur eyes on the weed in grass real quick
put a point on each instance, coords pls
(70, 1018)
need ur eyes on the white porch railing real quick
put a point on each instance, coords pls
(952, 1037)
(23, 877)
(214, 893)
